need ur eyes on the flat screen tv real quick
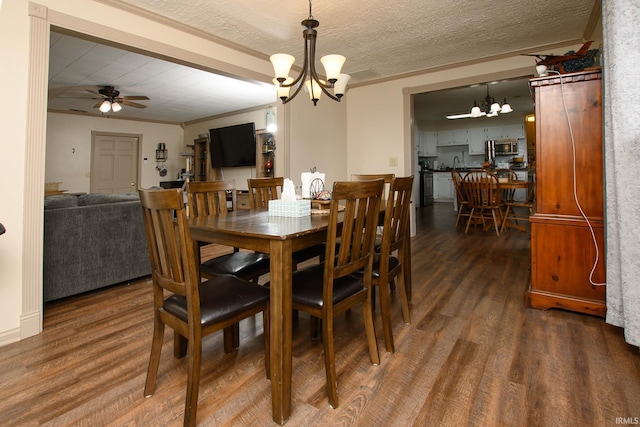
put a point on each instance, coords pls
(233, 146)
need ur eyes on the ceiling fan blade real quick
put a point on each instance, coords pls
(136, 98)
(55, 92)
(132, 104)
(94, 93)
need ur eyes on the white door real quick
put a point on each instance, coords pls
(114, 163)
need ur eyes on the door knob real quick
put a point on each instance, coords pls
(132, 184)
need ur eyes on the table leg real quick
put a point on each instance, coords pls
(406, 268)
(281, 328)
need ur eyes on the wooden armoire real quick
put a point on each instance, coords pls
(566, 267)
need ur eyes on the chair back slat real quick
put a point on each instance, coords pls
(387, 177)
(210, 197)
(482, 189)
(361, 202)
(396, 218)
(169, 243)
(261, 190)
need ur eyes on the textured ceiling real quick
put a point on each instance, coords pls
(379, 39)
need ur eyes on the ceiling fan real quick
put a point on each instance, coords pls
(108, 97)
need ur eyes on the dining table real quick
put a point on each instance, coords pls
(279, 237)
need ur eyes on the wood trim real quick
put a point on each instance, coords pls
(33, 214)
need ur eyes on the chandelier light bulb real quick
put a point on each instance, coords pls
(282, 63)
(283, 91)
(340, 86)
(332, 66)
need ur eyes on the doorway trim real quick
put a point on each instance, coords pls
(41, 20)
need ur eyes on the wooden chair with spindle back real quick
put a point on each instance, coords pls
(483, 192)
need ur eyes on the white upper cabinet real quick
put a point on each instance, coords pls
(505, 132)
(430, 142)
(476, 141)
(452, 137)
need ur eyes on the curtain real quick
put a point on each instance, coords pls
(621, 59)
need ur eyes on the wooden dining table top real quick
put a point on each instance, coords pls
(279, 237)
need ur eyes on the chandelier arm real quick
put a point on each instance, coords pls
(298, 89)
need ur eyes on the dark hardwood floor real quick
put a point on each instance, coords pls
(473, 355)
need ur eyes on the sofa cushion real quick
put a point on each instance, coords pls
(60, 201)
(100, 199)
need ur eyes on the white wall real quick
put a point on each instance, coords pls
(68, 158)
(14, 62)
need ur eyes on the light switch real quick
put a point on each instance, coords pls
(393, 161)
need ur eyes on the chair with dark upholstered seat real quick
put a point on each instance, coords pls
(210, 198)
(261, 190)
(333, 287)
(386, 266)
(193, 309)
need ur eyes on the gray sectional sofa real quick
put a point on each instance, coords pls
(92, 241)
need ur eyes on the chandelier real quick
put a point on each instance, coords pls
(488, 108)
(308, 77)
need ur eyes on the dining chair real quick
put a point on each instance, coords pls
(210, 198)
(386, 266)
(511, 214)
(463, 204)
(193, 309)
(387, 177)
(483, 192)
(333, 287)
(507, 193)
(261, 190)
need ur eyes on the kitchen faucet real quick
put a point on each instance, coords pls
(454, 161)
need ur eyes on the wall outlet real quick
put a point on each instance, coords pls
(393, 161)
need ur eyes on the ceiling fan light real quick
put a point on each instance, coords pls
(340, 86)
(105, 106)
(332, 66)
(116, 107)
(282, 63)
(506, 108)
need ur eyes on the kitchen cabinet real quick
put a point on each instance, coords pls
(504, 132)
(564, 271)
(476, 137)
(443, 186)
(426, 143)
(452, 137)
(430, 144)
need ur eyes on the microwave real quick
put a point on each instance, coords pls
(503, 147)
